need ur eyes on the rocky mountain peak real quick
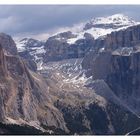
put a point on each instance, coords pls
(114, 22)
(65, 35)
(28, 43)
(8, 44)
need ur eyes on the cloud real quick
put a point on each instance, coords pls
(41, 20)
(6, 24)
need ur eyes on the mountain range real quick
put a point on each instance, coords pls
(83, 81)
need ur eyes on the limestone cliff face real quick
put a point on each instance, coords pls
(123, 78)
(129, 37)
(124, 38)
(24, 96)
(121, 72)
(116, 62)
(57, 48)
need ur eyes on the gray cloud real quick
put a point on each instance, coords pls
(35, 19)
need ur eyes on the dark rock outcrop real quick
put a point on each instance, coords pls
(57, 47)
(55, 50)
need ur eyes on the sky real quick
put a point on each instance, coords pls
(43, 20)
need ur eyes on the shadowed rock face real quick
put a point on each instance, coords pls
(123, 78)
(129, 37)
(121, 72)
(118, 65)
(57, 48)
(125, 72)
